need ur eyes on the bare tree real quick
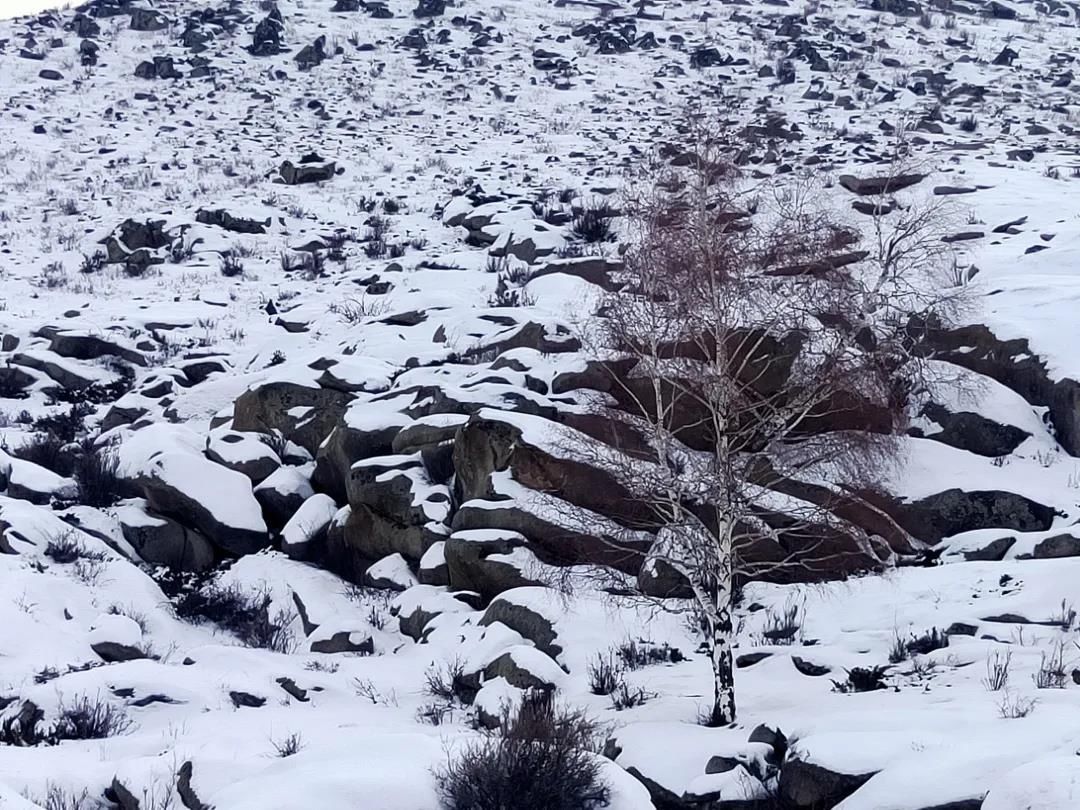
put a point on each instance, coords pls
(763, 351)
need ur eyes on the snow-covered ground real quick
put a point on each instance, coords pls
(443, 135)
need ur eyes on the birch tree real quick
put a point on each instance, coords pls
(770, 359)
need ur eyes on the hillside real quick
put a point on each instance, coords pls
(295, 307)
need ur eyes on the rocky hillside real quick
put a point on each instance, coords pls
(294, 301)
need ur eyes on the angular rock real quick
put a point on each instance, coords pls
(303, 414)
(162, 541)
(526, 621)
(865, 186)
(486, 561)
(311, 169)
(804, 785)
(216, 501)
(282, 493)
(304, 535)
(955, 510)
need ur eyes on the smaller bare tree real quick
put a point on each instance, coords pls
(762, 349)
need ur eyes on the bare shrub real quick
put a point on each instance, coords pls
(997, 672)
(243, 613)
(604, 674)
(289, 746)
(541, 758)
(1051, 673)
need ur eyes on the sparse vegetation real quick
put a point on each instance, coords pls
(862, 679)
(540, 758)
(593, 222)
(288, 746)
(246, 614)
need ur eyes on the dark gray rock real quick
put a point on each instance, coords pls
(865, 186)
(303, 414)
(469, 568)
(955, 511)
(993, 551)
(1061, 545)
(804, 785)
(162, 541)
(223, 219)
(973, 432)
(531, 625)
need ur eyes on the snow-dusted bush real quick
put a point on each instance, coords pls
(542, 758)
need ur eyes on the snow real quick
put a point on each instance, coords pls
(419, 136)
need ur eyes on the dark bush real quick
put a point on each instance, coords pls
(93, 263)
(246, 614)
(48, 451)
(539, 759)
(593, 222)
(928, 642)
(69, 425)
(638, 654)
(604, 674)
(84, 718)
(447, 681)
(100, 484)
(862, 679)
(625, 697)
(231, 266)
(88, 719)
(66, 548)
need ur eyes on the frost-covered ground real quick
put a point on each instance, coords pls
(443, 135)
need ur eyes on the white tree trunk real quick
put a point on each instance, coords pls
(723, 711)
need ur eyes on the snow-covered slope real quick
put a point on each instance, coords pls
(283, 269)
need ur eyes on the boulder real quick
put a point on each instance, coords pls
(245, 453)
(525, 620)
(310, 169)
(304, 534)
(487, 561)
(223, 219)
(282, 493)
(216, 501)
(304, 414)
(955, 510)
(806, 785)
(162, 541)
